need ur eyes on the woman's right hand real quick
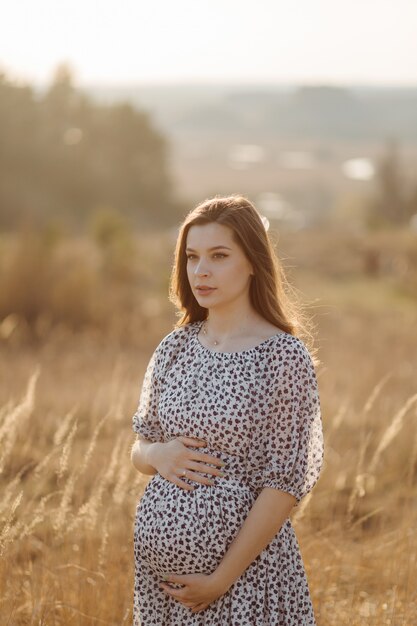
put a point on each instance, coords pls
(172, 457)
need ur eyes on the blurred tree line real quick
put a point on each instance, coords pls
(63, 157)
(394, 199)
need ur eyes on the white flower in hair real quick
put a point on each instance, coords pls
(265, 222)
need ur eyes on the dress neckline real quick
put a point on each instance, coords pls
(248, 351)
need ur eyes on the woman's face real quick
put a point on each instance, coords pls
(215, 260)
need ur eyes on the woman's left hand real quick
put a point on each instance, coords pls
(200, 590)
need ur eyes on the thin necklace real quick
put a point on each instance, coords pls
(215, 342)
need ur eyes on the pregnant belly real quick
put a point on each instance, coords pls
(185, 532)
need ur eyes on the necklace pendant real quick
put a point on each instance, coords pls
(215, 342)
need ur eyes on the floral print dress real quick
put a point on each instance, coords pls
(258, 410)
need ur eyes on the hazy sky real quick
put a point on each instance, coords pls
(334, 41)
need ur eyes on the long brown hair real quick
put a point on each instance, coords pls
(269, 290)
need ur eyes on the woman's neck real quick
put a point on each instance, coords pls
(221, 326)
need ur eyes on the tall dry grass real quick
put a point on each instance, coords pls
(69, 491)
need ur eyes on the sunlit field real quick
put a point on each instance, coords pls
(70, 381)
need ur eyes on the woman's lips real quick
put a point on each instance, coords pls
(205, 292)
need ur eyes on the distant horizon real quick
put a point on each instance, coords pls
(243, 83)
(221, 83)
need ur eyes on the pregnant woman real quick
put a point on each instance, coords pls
(229, 425)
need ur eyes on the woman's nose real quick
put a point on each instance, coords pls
(200, 270)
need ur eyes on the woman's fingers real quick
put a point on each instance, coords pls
(199, 467)
(191, 476)
(182, 484)
(208, 458)
(192, 441)
(201, 456)
(199, 462)
(198, 478)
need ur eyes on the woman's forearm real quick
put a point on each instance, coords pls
(264, 521)
(142, 454)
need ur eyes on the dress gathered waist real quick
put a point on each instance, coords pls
(237, 476)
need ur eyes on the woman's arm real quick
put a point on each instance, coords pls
(293, 453)
(142, 455)
(270, 510)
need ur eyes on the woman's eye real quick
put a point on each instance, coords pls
(191, 256)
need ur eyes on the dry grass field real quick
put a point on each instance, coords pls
(67, 394)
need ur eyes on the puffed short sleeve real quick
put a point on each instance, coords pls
(293, 435)
(145, 421)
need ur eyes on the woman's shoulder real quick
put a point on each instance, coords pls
(174, 340)
(291, 350)
(177, 335)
